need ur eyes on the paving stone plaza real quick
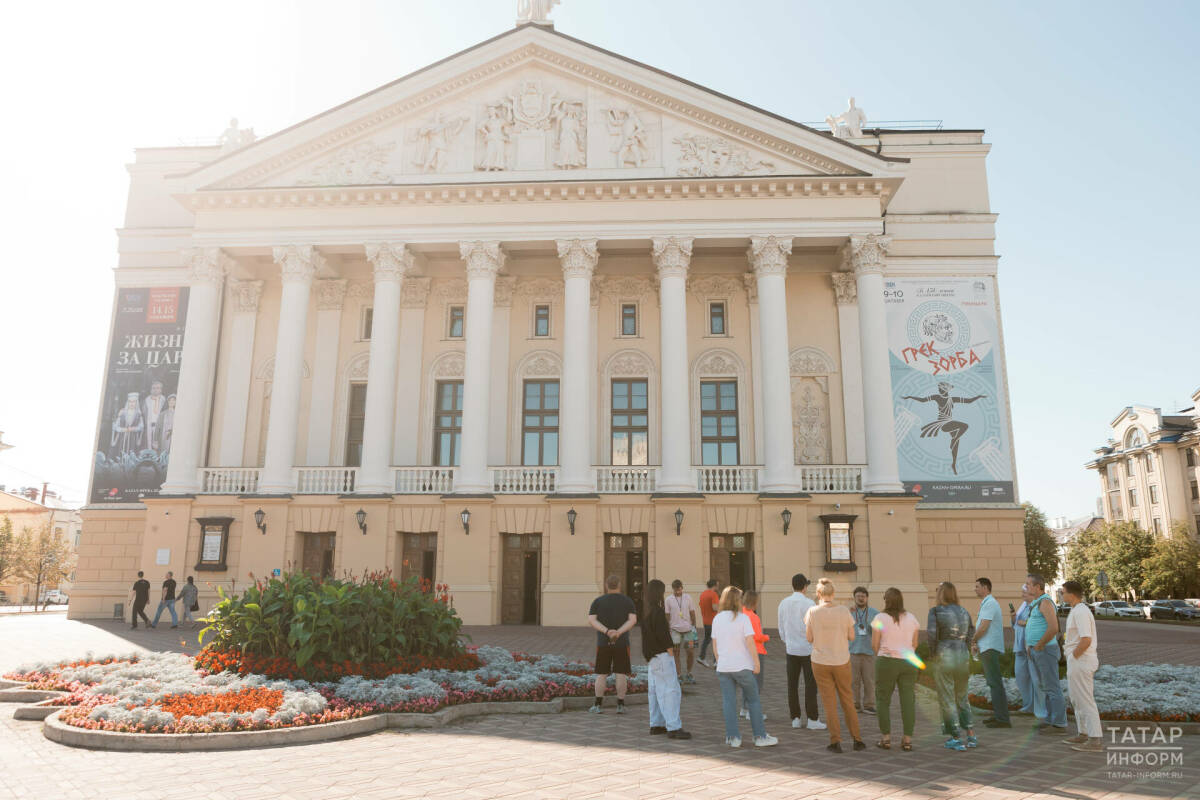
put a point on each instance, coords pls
(575, 754)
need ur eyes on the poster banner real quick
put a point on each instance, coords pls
(137, 415)
(952, 433)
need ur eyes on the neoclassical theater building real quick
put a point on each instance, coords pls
(539, 313)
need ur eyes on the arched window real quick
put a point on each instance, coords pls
(1134, 438)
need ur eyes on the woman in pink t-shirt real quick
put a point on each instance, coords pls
(894, 639)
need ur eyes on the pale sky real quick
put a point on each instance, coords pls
(1090, 108)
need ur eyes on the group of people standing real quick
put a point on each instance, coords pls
(854, 656)
(188, 598)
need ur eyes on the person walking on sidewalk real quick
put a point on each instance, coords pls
(1041, 644)
(1083, 659)
(663, 682)
(709, 600)
(167, 602)
(187, 600)
(1033, 701)
(830, 629)
(681, 613)
(862, 655)
(737, 664)
(141, 599)
(613, 615)
(791, 614)
(894, 638)
(989, 638)
(950, 634)
(749, 606)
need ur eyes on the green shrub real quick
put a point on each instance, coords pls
(374, 620)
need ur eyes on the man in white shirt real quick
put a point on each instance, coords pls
(799, 655)
(681, 616)
(1082, 663)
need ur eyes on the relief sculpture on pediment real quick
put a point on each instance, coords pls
(631, 139)
(435, 139)
(715, 156)
(356, 164)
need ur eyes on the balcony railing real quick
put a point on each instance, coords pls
(827, 478)
(229, 480)
(727, 480)
(325, 480)
(423, 480)
(524, 480)
(626, 480)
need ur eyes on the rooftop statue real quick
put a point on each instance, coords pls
(234, 137)
(848, 124)
(536, 11)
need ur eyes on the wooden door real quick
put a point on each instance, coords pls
(625, 557)
(418, 556)
(512, 579)
(731, 560)
(317, 556)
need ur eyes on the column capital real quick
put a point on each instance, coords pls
(246, 295)
(845, 288)
(484, 259)
(391, 260)
(331, 294)
(866, 254)
(206, 265)
(578, 256)
(672, 255)
(297, 262)
(769, 254)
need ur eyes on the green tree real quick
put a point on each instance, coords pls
(46, 559)
(1082, 564)
(8, 550)
(1041, 550)
(1123, 550)
(1173, 567)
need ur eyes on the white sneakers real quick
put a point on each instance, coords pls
(736, 741)
(745, 714)
(797, 722)
(816, 725)
(766, 741)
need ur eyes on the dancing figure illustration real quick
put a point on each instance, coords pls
(945, 419)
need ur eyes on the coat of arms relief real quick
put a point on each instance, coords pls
(530, 126)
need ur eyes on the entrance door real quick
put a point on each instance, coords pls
(317, 555)
(731, 559)
(520, 580)
(625, 557)
(418, 556)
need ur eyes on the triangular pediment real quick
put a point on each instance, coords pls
(535, 105)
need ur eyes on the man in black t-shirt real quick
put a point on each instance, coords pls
(612, 615)
(167, 602)
(141, 599)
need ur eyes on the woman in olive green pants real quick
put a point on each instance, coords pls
(894, 640)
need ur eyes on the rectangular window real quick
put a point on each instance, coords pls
(1157, 525)
(1149, 462)
(1114, 504)
(1154, 494)
(356, 415)
(447, 424)
(1195, 491)
(630, 423)
(718, 423)
(541, 320)
(629, 319)
(1129, 467)
(1133, 497)
(1111, 472)
(1190, 455)
(716, 319)
(458, 316)
(364, 325)
(539, 424)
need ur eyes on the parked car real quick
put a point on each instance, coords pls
(1193, 602)
(1117, 608)
(54, 597)
(1173, 609)
(1064, 609)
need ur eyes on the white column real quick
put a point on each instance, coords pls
(578, 258)
(413, 297)
(672, 255)
(846, 290)
(483, 261)
(501, 332)
(391, 261)
(593, 377)
(297, 265)
(331, 295)
(751, 284)
(867, 256)
(244, 297)
(768, 257)
(208, 266)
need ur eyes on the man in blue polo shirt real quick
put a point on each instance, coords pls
(989, 638)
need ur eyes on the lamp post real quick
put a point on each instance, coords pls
(260, 521)
(787, 520)
(360, 517)
(465, 516)
(678, 520)
(571, 516)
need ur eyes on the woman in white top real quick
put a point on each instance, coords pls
(737, 664)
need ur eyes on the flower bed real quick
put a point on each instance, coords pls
(1146, 692)
(213, 659)
(167, 693)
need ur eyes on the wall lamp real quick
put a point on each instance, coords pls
(465, 516)
(360, 517)
(260, 520)
(571, 516)
(678, 520)
(787, 520)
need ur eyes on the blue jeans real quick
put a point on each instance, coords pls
(664, 692)
(995, 682)
(169, 605)
(730, 682)
(1031, 699)
(1045, 665)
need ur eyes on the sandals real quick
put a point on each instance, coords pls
(906, 747)
(884, 744)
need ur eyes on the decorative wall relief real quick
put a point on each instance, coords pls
(436, 139)
(357, 164)
(631, 139)
(714, 156)
(810, 415)
(714, 285)
(517, 129)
